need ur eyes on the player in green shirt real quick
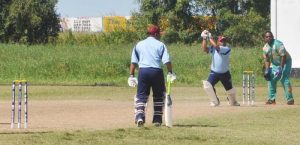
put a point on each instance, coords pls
(278, 64)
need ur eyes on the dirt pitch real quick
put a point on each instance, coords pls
(53, 115)
(62, 115)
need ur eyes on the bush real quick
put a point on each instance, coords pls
(96, 39)
(28, 22)
(170, 36)
(243, 30)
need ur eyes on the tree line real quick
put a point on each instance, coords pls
(243, 21)
(28, 21)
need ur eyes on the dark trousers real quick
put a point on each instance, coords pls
(225, 79)
(150, 78)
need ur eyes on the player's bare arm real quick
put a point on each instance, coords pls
(132, 68)
(204, 46)
(283, 60)
(214, 44)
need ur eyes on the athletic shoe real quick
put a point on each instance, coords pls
(157, 124)
(214, 103)
(291, 102)
(271, 102)
(140, 122)
(235, 104)
(157, 120)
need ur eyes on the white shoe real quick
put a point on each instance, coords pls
(140, 123)
(233, 104)
(215, 103)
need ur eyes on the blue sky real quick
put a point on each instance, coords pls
(94, 8)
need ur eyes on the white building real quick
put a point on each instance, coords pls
(285, 25)
(82, 24)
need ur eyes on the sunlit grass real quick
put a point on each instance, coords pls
(109, 64)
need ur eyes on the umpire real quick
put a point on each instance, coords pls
(148, 55)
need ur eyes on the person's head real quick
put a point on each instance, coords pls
(222, 40)
(153, 31)
(268, 37)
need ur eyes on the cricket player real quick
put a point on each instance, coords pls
(278, 63)
(148, 55)
(220, 53)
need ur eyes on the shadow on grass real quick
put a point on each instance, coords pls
(20, 130)
(26, 132)
(194, 125)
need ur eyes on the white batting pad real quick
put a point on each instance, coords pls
(208, 88)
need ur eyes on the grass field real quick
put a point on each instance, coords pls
(109, 64)
(67, 108)
(273, 127)
(260, 124)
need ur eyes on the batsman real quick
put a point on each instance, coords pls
(278, 63)
(220, 53)
(149, 55)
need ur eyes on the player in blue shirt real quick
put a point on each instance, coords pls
(220, 53)
(149, 55)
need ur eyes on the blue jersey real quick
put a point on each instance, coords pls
(150, 53)
(220, 60)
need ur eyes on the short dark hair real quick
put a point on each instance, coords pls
(268, 32)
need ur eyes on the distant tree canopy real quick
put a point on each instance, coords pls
(28, 21)
(241, 20)
(175, 17)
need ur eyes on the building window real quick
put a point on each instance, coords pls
(82, 25)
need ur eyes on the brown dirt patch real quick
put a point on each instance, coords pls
(100, 114)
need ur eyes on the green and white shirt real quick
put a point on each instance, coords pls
(275, 52)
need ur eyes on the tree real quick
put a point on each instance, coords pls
(30, 21)
(176, 14)
(3, 14)
(182, 22)
(241, 20)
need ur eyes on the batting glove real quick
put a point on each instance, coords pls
(132, 81)
(171, 77)
(204, 34)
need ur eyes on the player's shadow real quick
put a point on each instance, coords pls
(17, 131)
(194, 125)
(26, 132)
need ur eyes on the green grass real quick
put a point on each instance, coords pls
(270, 127)
(127, 93)
(63, 64)
(86, 65)
(73, 93)
(109, 64)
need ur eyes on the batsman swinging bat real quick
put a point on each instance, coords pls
(168, 106)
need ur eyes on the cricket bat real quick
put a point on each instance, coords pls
(168, 106)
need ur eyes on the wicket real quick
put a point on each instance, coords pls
(21, 84)
(250, 96)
